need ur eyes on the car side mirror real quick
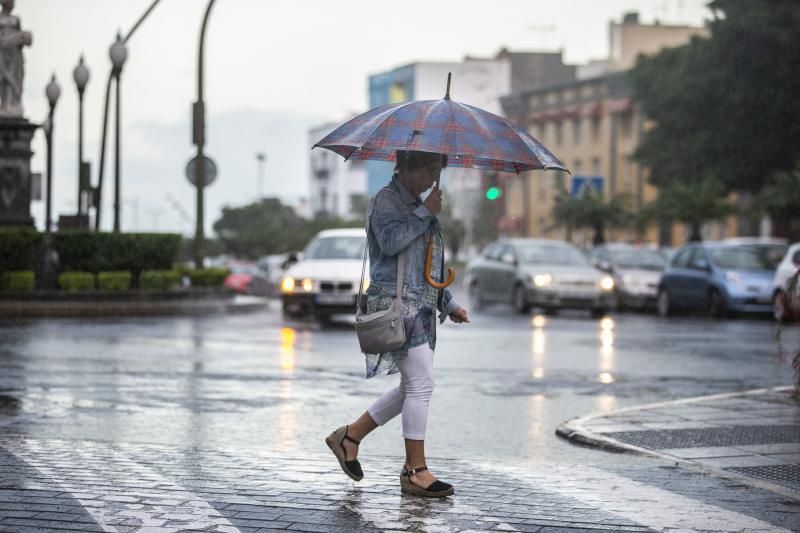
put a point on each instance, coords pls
(508, 259)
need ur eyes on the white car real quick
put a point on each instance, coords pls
(786, 269)
(326, 281)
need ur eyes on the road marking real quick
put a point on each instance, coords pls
(649, 506)
(134, 483)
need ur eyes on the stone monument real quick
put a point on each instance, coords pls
(16, 131)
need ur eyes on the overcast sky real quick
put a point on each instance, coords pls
(273, 69)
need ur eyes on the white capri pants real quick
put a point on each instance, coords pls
(411, 397)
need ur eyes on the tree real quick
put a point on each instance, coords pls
(780, 199)
(269, 227)
(691, 203)
(591, 211)
(725, 107)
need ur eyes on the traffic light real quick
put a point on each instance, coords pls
(492, 186)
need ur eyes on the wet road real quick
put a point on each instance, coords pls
(503, 382)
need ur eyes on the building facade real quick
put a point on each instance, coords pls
(337, 188)
(593, 126)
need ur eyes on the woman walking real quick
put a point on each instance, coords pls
(398, 222)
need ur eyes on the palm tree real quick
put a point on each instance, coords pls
(693, 203)
(780, 199)
(590, 211)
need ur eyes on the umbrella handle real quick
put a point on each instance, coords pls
(451, 275)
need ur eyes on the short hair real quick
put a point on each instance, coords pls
(410, 160)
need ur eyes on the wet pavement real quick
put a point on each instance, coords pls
(217, 423)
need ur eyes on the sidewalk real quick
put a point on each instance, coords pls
(752, 436)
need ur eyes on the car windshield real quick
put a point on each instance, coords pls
(644, 259)
(336, 248)
(551, 255)
(739, 258)
(772, 254)
(242, 269)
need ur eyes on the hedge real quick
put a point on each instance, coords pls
(19, 248)
(18, 280)
(159, 279)
(114, 281)
(207, 277)
(103, 252)
(76, 281)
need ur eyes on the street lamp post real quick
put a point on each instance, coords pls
(52, 91)
(118, 53)
(81, 77)
(261, 158)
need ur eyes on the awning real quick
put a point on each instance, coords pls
(592, 110)
(620, 105)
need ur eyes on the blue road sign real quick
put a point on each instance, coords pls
(583, 184)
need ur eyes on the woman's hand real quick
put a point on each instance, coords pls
(433, 202)
(459, 316)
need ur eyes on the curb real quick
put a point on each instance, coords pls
(575, 432)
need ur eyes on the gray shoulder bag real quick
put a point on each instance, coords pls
(381, 331)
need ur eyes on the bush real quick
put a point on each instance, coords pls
(18, 280)
(207, 277)
(104, 252)
(19, 248)
(159, 279)
(119, 280)
(76, 281)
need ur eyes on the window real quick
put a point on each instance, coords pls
(681, 259)
(595, 128)
(559, 133)
(626, 124)
(576, 168)
(576, 129)
(596, 170)
(698, 260)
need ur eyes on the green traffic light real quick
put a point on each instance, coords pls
(493, 193)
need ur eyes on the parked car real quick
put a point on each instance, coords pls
(538, 272)
(326, 281)
(636, 272)
(786, 269)
(720, 278)
(772, 248)
(246, 278)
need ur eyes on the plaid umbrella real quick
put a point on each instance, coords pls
(469, 136)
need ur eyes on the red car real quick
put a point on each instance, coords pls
(245, 278)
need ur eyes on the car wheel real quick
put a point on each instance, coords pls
(716, 305)
(476, 300)
(663, 305)
(779, 307)
(519, 300)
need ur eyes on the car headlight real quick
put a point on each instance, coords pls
(542, 280)
(606, 283)
(732, 277)
(308, 285)
(287, 284)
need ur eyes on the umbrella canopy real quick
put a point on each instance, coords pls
(469, 136)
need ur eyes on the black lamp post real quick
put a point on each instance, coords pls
(81, 77)
(118, 53)
(52, 91)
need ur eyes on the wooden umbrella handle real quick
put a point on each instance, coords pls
(451, 275)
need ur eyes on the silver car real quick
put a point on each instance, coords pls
(538, 273)
(636, 272)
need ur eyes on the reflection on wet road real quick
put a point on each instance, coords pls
(254, 381)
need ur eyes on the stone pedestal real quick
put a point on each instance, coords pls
(15, 171)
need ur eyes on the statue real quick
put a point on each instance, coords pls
(12, 40)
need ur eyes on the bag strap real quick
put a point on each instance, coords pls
(401, 267)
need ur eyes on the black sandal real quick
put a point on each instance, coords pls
(437, 489)
(335, 442)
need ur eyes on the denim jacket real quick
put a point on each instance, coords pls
(399, 222)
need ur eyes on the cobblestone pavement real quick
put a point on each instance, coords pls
(754, 435)
(61, 485)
